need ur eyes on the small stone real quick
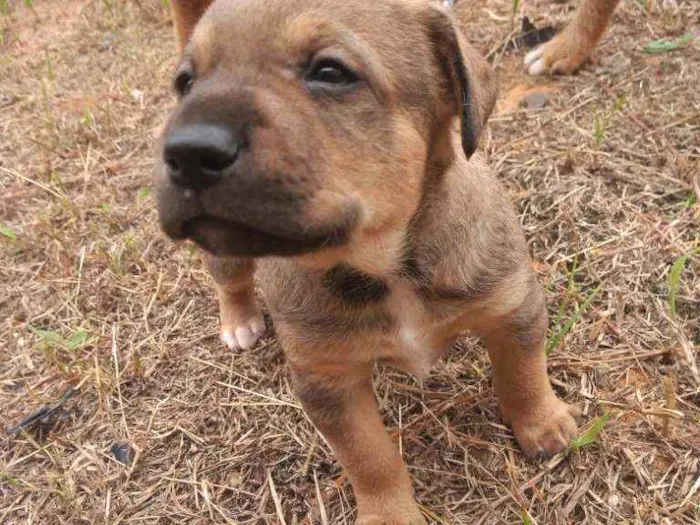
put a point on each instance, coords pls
(535, 100)
(108, 42)
(123, 453)
(137, 95)
(7, 100)
(235, 479)
(569, 164)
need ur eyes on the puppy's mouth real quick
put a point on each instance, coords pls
(229, 238)
(255, 218)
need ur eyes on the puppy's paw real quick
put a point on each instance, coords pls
(243, 335)
(398, 508)
(564, 54)
(547, 428)
(375, 519)
(242, 323)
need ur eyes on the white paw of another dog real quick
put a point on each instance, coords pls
(564, 54)
(535, 62)
(243, 335)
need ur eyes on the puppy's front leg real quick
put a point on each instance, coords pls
(242, 322)
(541, 422)
(342, 406)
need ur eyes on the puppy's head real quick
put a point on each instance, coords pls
(305, 125)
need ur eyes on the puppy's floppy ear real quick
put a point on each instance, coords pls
(469, 76)
(186, 14)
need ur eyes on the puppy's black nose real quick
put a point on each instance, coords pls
(198, 155)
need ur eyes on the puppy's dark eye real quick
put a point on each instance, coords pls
(184, 82)
(332, 73)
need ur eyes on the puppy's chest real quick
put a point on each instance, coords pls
(413, 333)
(420, 335)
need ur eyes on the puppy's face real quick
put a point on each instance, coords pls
(304, 125)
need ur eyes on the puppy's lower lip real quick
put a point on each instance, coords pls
(223, 237)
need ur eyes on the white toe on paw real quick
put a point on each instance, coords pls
(533, 55)
(257, 326)
(243, 336)
(228, 338)
(538, 67)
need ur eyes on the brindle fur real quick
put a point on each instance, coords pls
(397, 236)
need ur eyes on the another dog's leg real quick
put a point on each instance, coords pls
(242, 323)
(342, 406)
(541, 422)
(567, 51)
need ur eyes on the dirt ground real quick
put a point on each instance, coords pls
(168, 426)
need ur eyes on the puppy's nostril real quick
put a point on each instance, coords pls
(216, 162)
(173, 164)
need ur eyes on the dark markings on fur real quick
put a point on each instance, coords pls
(225, 270)
(322, 402)
(469, 122)
(478, 291)
(354, 287)
(346, 325)
(410, 268)
(452, 63)
(528, 323)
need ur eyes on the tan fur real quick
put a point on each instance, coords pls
(419, 242)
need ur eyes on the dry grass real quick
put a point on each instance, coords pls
(607, 180)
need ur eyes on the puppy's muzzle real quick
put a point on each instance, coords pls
(200, 155)
(233, 194)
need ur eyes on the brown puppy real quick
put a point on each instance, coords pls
(334, 143)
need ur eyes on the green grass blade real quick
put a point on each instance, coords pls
(54, 339)
(77, 340)
(590, 436)
(9, 480)
(599, 129)
(49, 66)
(570, 289)
(6, 231)
(144, 193)
(662, 45)
(674, 279)
(556, 339)
(51, 338)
